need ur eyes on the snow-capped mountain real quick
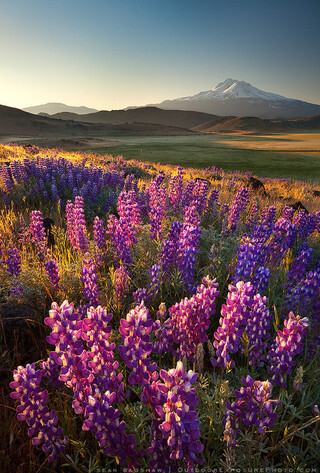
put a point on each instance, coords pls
(52, 107)
(235, 97)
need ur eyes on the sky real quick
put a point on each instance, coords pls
(111, 54)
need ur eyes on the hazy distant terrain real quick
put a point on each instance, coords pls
(53, 107)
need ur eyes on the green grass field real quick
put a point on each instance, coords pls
(204, 151)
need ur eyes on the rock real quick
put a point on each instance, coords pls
(298, 206)
(256, 185)
(200, 179)
(48, 223)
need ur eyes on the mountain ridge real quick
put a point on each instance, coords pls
(239, 98)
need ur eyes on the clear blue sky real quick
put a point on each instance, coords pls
(110, 54)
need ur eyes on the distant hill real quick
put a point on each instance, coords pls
(52, 107)
(311, 123)
(144, 121)
(242, 125)
(15, 122)
(239, 98)
(176, 118)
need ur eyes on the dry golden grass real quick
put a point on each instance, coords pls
(287, 142)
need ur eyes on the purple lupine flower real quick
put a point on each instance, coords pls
(212, 204)
(16, 289)
(170, 247)
(254, 214)
(244, 315)
(261, 279)
(81, 370)
(38, 234)
(298, 268)
(52, 271)
(143, 198)
(136, 348)
(188, 197)
(263, 229)
(288, 213)
(175, 434)
(302, 296)
(227, 337)
(71, 230)
(16, 167)
(55, 192)
(99, 236)
(188, 246)
(13, 261)
(200, 192)
(89, 278)
(253, 407)
(130, 216)
(256, 330)
(282, 239)
(155, 280)
(188, 322)
(120, 248)
(102, 419)
(305, 224)
(24, 232)
(287, 345)
(6, 177)
(81, 241)
(91, 374)
(300, 222)
(78, 367)
(33, 409)
(249, 254)
(96, 331)
(121, 284)
(239, 204)
(175, 190)
(99, 233)
(157, 202)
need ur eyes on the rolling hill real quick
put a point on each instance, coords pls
(155, 115)
(246, 125)
(138, 122)
(15, 122)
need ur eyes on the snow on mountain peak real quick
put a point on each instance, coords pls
(239, 89)
(235, 89)
(239, 98)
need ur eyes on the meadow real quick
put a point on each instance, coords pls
(154, 317)
(294, 155)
